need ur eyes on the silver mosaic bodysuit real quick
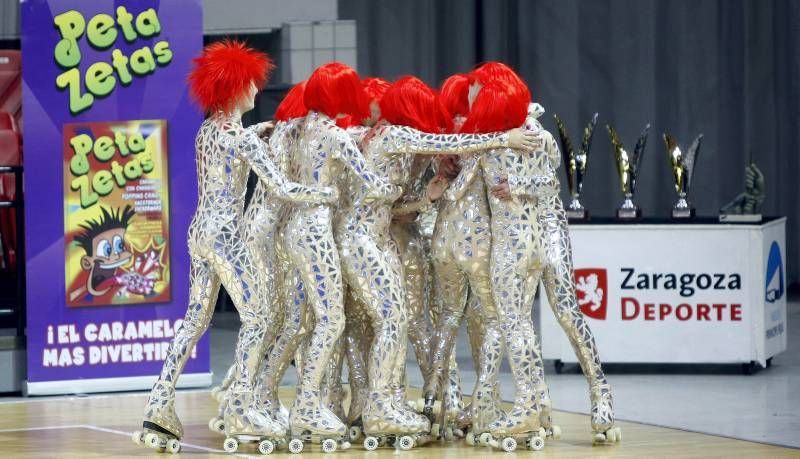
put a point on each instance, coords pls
(225, 153)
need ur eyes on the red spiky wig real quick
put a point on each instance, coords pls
(496, 71)
(376, 88)
(335, 88)
(454, 94)
(223, 72)
(498, 107)
(292, 105)
(410, 102)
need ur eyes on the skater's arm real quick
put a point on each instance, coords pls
(458, 187)
(403, 139)
(254, 152)
(354, 160)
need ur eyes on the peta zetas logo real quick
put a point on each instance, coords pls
(591, 288)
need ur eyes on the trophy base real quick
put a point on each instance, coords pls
(740, 218)
(683, 213)
(580, 214)
(629, 214)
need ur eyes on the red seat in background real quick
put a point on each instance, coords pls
(10, 146)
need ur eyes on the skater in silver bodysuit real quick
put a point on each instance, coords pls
(370, 259)
(323, 151)
(557, 275)
(225, 153)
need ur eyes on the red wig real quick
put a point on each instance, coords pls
(346, 121)
(497, 71)
(223, 72)
(497, 107)
(292, 105)
(454, 94)
(376, 88)
(410, 102)
(335, 88)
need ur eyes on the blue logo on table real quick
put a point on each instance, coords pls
(774, 287)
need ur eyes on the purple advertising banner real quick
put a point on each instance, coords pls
(110, 190)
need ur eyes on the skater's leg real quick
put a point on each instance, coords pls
(514, 285)
(560, 288)
(314, 253)
(203, 290)
(357, 339)
(375, 276)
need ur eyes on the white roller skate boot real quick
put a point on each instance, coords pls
(246, 422)
(312, 422)
(520, 425)
(603, 415)
(390, 425)
(545, 412)
(161, 428)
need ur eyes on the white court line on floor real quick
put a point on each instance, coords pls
(50, 398)
(111, 431)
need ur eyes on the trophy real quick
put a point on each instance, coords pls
(746, 206)
(575, 165)
(682, 171)
(628, 170)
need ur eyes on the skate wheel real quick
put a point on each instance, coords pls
(345, 445)
(354, 433)
(555, 432)
(296, 446)
(405, 443)
(370, 443)
(173, 446)
(217, 425)
(435, 430)
(266, 447)
(329, 445)
(137, 437)
(420, 404)
(470, 438)
(151, 440)
(230, 445)
(537, 443)
(509, 444)
(619, 434)
(458, 433)
(599, 438)
(485, 438)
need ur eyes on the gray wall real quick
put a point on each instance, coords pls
(729, 69)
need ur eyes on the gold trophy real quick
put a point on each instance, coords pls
(575, 165)
(682, 171)
(628, 167)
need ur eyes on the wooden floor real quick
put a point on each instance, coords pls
(101, 426)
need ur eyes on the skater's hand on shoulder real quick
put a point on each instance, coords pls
(436, 187)
(502, 191)
(448, 167)
(264, 129)
(523, 139)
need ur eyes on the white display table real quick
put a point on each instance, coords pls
(657, 291)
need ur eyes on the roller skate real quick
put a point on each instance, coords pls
(354, 421)
(520, 425)
(453, 405)
(245, 422)
(484, 410)
(312, 422)
(545, 413)
(386, 424)
(218, 392)
(161, 428)
(603, 416)
(217, 423)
